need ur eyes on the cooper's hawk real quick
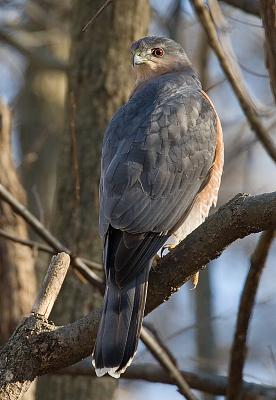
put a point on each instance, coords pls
(162, 160)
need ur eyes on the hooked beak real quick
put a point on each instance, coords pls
(138, 60)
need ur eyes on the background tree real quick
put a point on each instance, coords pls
(99, 82)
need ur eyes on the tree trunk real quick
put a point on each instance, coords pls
(99, 82)
(17, 272)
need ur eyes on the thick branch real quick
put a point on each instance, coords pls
(43, 347)
(208, 383)
(238, 352)
(227, 66)
(238, 218)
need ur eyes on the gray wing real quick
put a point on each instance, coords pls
(156, 157)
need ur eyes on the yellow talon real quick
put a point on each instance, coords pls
(195, 279)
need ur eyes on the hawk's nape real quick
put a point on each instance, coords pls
(162, 160)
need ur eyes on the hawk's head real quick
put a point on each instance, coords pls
(153, 55)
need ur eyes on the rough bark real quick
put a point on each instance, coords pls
(38, 347)
(268, 10)
(99, 82)
(17, 272)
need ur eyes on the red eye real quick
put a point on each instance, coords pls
(157, 52)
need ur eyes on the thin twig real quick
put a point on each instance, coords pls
(51, 240)
(165, 360)
(44, 248)
(100, 10)
(208, 24)
(51, 285)
(247, 301)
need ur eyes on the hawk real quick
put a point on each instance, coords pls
(162, 160)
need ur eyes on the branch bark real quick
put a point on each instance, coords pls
(38, 347)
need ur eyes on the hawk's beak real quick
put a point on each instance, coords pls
(138, 59)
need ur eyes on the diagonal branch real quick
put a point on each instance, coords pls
(44, 248)
(51, 240)
(247, 301)
(214, 41)
(165, 360)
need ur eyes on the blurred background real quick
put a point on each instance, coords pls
(196, 325)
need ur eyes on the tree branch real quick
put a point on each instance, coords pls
(161, 354)
(44, 248)
(51, 285)
(205, 382)
(37, 347)
(238, 352)
(40, 229)
(227, 66)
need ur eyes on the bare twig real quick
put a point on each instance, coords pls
(48, 237)
(161, 354)
(44, 248)
(51, 285)
(247, 301)
(208, 24)
(205, 382)
(95, 16)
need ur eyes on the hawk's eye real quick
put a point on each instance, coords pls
(157, 52)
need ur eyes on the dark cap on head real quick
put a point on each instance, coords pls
(169, 46)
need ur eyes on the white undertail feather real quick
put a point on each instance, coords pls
(112, 371)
